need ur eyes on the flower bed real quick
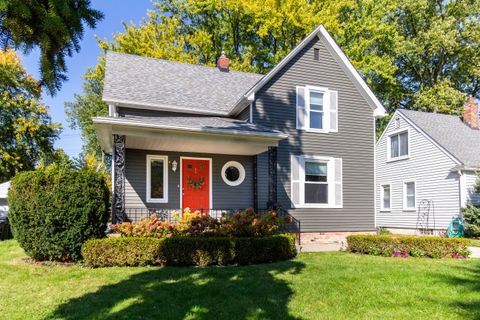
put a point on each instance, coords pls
(408, 246)
(187, 251)
(196, 224)
(194, 239)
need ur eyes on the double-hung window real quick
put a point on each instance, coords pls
(316, 182)
(409, 196)
(386, 195)
(317, 109)
(398, 145)
(157, 179)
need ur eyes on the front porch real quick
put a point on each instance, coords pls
(200, 163)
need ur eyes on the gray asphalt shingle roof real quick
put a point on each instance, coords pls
(451, 133)
(205, 124)
(136, 80)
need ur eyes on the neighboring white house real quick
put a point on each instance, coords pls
(3, 198)
(426, 164)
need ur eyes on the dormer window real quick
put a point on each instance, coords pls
(398, 145)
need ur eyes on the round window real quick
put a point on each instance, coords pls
(233, 173)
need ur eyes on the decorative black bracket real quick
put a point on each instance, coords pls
(272, 176)
(118, 201)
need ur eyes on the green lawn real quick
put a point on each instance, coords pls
(313, 286)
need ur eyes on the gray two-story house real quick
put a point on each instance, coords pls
(188, 136)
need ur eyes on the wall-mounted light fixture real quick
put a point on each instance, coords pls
(174, 165)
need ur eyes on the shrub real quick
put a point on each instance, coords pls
(383, 231)
(388, 245)
(471, 215)
(197, 224)
(187, 251)
(152, 226)
(250, 224)
(54, 210)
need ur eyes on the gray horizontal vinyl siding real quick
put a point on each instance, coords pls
(224, 196)
(137, 112)
(473, 197)
(275, 107)
(430, 168)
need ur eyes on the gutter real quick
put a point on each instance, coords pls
(117, 121)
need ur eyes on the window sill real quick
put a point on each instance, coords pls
(398, 159)
(157, 200)
(385, 210)
(316, 130)
(319, 206)
(409, 209)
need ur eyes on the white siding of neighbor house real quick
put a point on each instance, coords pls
(471, 179)
(429, 167)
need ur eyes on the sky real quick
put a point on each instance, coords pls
(116, 12)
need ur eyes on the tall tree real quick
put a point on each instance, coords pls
(415, 54)
(27, 133)
(56, 27)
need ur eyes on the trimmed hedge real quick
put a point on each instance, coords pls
(390, 245)
(187, 251)
(55, 209)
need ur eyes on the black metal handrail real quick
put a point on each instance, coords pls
(136, 214)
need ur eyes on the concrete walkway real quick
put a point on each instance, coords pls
(475, 252)
(319, 247)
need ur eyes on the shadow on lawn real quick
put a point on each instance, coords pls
(467, 278)
(192, 293)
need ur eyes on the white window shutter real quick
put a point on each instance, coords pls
(295, 180)
(333, 95)
(301, 109)
(338, 182)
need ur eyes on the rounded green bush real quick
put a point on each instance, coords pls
(187, 251)
(54, 210)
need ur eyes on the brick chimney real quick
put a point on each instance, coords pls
(470, 113)
(223, 62)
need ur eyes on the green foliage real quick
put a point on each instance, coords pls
(388, 245)
(471, 215)
(186, 251)
(55, 27)
(383, 231)
(55, 209)
(195, 224)
(27, 133)
(420, 55)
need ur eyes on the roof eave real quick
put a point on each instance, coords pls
(119, 122)
(160, 107)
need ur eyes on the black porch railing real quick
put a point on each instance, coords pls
(136, 214)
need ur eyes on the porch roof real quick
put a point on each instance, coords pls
(187, 134)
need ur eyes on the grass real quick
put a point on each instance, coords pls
(334, 285)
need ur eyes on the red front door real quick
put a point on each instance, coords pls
(195, 184)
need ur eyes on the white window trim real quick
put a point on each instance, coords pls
(326, 109)
(151, 157)
(241, 170)
(393, 133)
(382, 192)
(330, 181)
(405, 208)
